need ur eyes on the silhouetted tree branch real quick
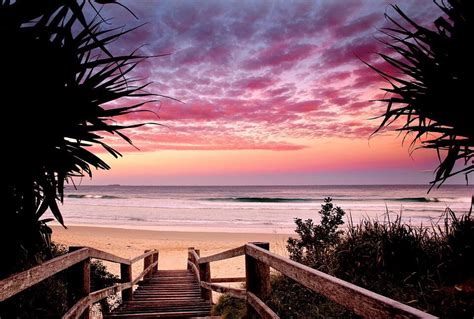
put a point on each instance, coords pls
(57, 82)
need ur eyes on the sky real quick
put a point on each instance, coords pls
(270, 92)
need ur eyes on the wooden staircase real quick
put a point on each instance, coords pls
(166, 294)
(188, 293)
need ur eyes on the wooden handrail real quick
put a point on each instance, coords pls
(223, 255)
(262, 309)
(87, 301)
(195, 270)
(103, 255)
(23, 280)
(234, 292)
(357, 299)
(143, 256)
(361, 301)
(194, 254)
(229, 279)
(83, 304)
(144, 272)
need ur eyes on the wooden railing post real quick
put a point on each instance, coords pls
(126, 276)
(146, 263)
(198, 252)
(190, 257)
(155, 259)
(205, 275)
(79, 282)
(257, 276)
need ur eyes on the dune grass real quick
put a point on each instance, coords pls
(429, 268)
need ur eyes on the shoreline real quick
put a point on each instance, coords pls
(183, 229)
(187, 233)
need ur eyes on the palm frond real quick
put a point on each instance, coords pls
(430, 87)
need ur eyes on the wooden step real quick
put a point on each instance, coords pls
(168, 294)
(180, 314)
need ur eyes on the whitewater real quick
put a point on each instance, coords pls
(267, 209)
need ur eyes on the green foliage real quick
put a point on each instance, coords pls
(102, 278)
(430, 268)
(61, 88)
(430, 85)
(291, 300)
(315, 240)
(230, 308)
(422, 266)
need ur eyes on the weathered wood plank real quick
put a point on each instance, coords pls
(103, 255)
(229, 279)
(21, 281)
(179, 314)
(361, 301)
(155, 255)
(205, 275)
(150, 308)
(194, 255)
(147, 261)
(77, 309)
(257, 275)
(171, 303)
(260, 307)
(84, 303)
(126, 276)
(194, 268)
(145, 272)
(190, 257)
(142, 256)
(179, 295)
(79, 281)
(223, 255)
(234, 292)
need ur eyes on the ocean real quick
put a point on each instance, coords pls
(261, 209)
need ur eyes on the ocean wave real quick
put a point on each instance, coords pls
(92, 196)
(338, 199)
(431, 199)
(261, 200)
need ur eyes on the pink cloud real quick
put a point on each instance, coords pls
(357, 26)
(360, 48)
(255, 83)
(303, 107)
(279, 54)
(252, 74)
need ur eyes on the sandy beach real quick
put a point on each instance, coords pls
(172, 245)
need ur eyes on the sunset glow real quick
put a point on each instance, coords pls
(272, 93)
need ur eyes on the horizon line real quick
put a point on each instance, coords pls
(265, 185)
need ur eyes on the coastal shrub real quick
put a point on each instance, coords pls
(290, 299)
(49, 298)
(102, 278)
(430, 268)
(315, 241)
(314, 247)
(229, 307)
